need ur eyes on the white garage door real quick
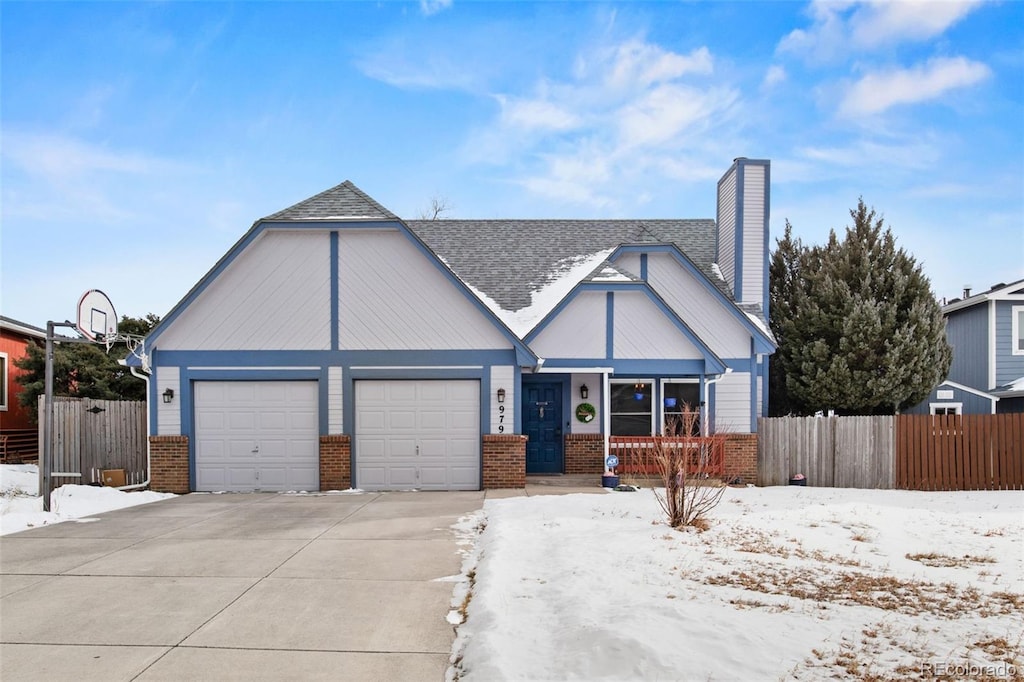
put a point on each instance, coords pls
(257, 435)
(417, 434)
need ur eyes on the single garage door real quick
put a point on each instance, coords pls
(257, 435)
(417, 435)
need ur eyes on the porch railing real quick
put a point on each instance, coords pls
(644, 455)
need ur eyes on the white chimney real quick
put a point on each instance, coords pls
(743, 212)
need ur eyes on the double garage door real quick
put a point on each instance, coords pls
(264, 435)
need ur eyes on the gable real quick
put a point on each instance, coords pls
(275, 295)
(391, 296)
(641, 330)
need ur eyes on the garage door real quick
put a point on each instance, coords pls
(257, 435)
(417, 434)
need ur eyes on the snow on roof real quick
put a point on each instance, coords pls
(610, 274)
(568, 273)
(760, 324)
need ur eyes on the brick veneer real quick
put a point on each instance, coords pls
(584, 453)
(168, 461)
(335, 462)
(504, 461)
(741, 457)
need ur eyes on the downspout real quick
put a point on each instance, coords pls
(707, 411)
(149, 463)
(606, 415)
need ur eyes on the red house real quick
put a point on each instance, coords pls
(19, 436)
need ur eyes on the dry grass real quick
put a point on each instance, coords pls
(936, 560)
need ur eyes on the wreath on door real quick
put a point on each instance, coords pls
(585, 412)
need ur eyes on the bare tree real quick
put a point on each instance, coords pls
(439, 206)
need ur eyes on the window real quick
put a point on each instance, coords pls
(631, 407)
(945, 408)
(680, 395)
(1018, 329)
(3, 381)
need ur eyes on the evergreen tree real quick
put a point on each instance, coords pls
(859, 330)
(84, 370)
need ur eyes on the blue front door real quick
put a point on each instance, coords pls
(542, 422)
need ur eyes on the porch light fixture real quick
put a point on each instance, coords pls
(501, 395)
(168, 395)
(584, 391)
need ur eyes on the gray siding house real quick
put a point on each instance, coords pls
(338, 345)
(986, 332)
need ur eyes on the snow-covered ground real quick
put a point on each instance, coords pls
(788, 583)
(21, 507)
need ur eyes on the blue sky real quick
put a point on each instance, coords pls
(140, 141)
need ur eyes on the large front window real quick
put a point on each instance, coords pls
(632, 400)
(682, 408)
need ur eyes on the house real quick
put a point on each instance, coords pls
(338, 345)
(986, 332)
(19, 436)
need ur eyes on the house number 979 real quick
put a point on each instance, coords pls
(501, 419)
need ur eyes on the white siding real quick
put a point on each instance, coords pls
(702, 311)
(335, 402)
(593, 382)
(578, 331)
(168, 415)
(274, 296)
(393, 298)
(503, 415)
(727, 226)
(642, 330)
(753, 234)
(630, 262)
(732, 403)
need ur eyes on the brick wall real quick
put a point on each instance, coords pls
(335, 462)
(504, 461)
(584, 453)
(168, 464)
(741, 457)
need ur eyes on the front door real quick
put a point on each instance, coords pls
(542, 422)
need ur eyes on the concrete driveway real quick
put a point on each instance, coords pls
(236, 586)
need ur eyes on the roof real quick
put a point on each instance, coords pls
(509, 261)
(22, 328)
(997, 292)
(341, 202)
(1013, 389)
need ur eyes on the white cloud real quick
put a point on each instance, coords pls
(773, 76)
(429, 7)
(639, 63)
(536, 114)
(839, 26)
(669, 111)
(877, 92)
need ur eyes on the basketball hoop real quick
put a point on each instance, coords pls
(97, 319)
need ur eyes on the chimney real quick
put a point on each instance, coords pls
(742, 238)
(967, 291)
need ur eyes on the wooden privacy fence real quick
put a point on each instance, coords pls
(92, 435)
(840, 452)
(970, 452)
(911, 452)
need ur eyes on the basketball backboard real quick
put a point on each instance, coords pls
(97, 319)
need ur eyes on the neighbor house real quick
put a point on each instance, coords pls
(338, 345)
(19, 435)
(986, 333)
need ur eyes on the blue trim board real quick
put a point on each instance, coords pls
(317, 358)
(517, 417)
(668, 368)
(737, 255)
(753, 402)
(609, 326)
(643, 266)
(335, 292)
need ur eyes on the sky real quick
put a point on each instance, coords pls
(140, 141)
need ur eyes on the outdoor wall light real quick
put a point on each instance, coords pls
(168, 395)
(501, 395)
(584, 391)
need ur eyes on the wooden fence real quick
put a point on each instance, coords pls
(913, 452)
(949, 452)
(841, 452)
(92, 435)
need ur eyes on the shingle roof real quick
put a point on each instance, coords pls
(509, 259)
(342, 202)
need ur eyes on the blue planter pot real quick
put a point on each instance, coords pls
(609, 481)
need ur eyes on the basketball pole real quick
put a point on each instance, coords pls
(46, 462)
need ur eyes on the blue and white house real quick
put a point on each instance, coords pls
(418, 340)
(986, 332)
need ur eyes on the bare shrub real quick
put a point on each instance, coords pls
(687, 467)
